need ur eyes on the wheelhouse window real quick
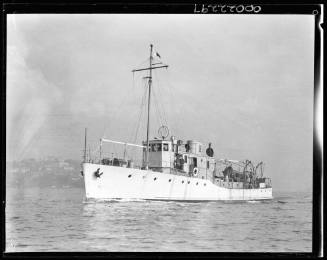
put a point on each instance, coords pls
(185, 159)
(165, 147)
(195, 162)
(155, 147)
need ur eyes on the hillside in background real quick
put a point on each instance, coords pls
(44, 173)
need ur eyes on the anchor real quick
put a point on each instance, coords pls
(97, 173)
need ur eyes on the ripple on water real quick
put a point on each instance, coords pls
(62, 221)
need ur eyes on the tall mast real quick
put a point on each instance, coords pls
(85, 144)
(149, 103)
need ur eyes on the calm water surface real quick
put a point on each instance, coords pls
(53, 219)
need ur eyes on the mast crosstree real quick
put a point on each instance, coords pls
(150, 68)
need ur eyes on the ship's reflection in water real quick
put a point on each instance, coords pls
(58, 220)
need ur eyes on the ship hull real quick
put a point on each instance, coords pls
(128, 183)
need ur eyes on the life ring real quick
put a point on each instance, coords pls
(195, 171)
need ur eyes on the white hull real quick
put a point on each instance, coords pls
(115, 183)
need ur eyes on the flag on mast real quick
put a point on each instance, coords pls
(156, 53)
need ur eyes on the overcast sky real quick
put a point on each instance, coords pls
(242, 82)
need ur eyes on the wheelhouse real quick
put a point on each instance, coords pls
(175, 156)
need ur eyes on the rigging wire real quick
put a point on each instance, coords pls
(137, 123)
(164, 112)
(172, 101)
(159, 116)
(160, 104)
(147, 60)
(140, 114)
(126, 96)
(160, 112)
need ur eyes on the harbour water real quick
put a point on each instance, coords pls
(59, 220)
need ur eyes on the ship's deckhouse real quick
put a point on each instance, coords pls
(161, 154)
(174, 155)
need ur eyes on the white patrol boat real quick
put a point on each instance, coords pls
(171, 169)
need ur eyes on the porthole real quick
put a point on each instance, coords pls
(188, 182)
(182, 181)
(169, 180)
(197, 183)
(155, 178)
(129, 175)
(205, 184)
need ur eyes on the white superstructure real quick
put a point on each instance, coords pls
(176, 171)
